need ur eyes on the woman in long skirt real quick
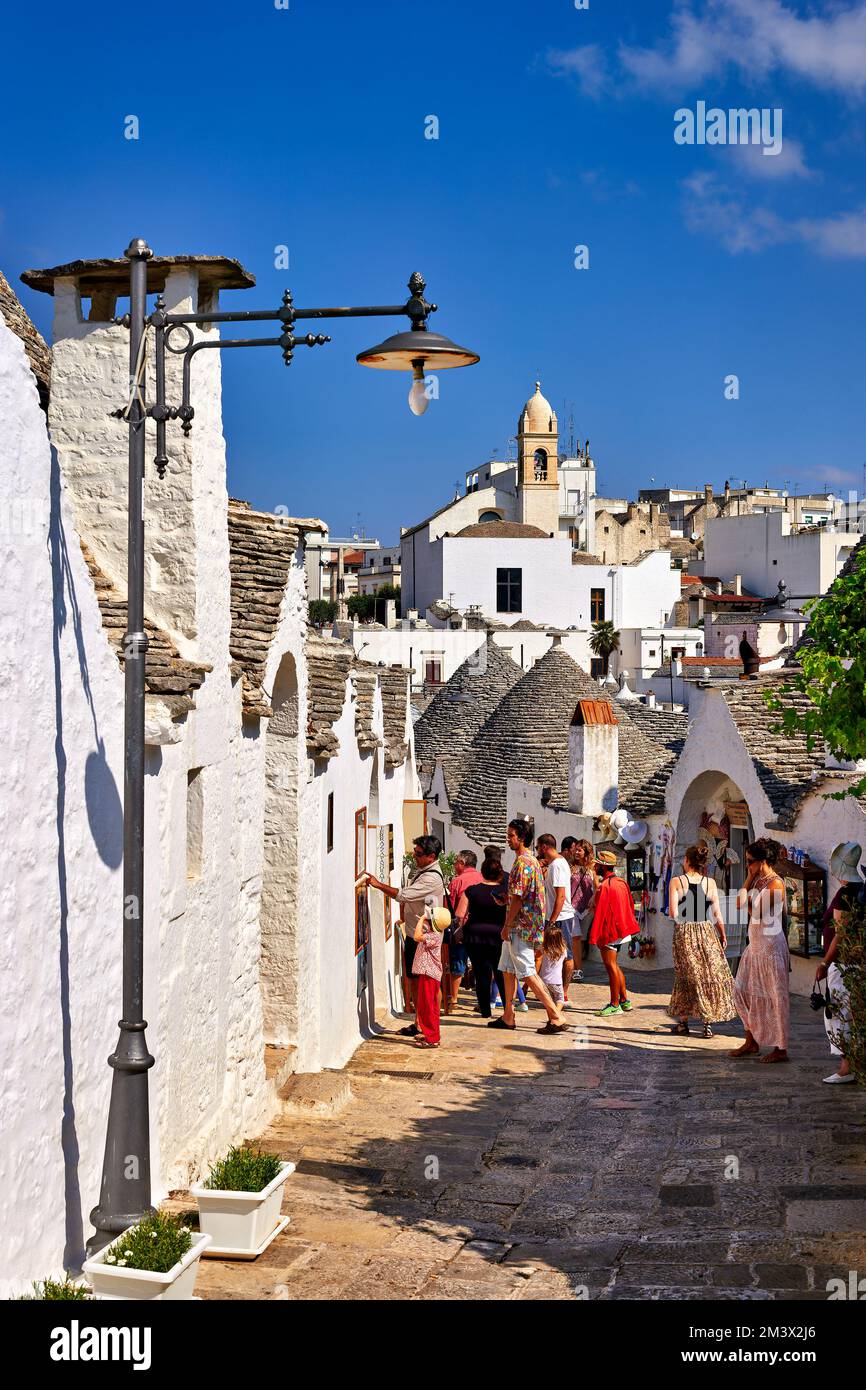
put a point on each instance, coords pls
(761, 991)
(703, 987)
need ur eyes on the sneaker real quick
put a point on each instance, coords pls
(577, 977)
(837, 1080)
(626, 1006)
(499, 1004)
(522, 1008)
(608, 1010)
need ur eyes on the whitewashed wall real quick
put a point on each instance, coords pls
(411, 647)
(762, 549)
(61, 696)
(555, 591)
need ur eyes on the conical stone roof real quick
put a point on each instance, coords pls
(527, 736)
(444, 732)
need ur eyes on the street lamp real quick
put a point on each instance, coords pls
(125, 1189)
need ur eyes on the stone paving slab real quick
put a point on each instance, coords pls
(613, 1162)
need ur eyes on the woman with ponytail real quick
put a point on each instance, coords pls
(703, 986)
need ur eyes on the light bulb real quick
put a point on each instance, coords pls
(418, 398)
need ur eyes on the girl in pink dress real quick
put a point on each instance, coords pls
(761, 992)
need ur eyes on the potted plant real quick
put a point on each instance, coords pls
(56, 1288)
(158, 1258)
(239, 1203)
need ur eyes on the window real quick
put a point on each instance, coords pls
(607, 530)
(489, 516)
(596, 605)
(596, 668)
(539, 459)
(509, 591)
(330, 823)
(652, 651)
(432, 671)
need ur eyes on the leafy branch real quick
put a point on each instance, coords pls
(831, 674)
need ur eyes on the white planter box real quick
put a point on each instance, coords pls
(108, 1281)
(242, 1224)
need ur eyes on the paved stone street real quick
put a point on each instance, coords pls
(616, 1161)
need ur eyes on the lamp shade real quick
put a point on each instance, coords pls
(402, 351)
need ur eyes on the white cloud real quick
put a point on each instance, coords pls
(756, 38)
(753, 38)
(789, 163)
(711, 206)
(587, 65)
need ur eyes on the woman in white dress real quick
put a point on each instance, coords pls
(761, 991)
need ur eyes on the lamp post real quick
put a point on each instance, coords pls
(125, 1192)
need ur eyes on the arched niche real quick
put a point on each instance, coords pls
(280, 885)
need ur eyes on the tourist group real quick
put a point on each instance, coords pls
(528, 929)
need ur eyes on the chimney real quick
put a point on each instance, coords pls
(708, 494)
(186, 512)
(593, 758)
(650, 699)
(737, 583)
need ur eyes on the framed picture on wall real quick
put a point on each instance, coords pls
(360, 842)
(362, 920)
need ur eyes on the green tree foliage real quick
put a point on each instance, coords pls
(363, 606)
(322, 611)
(604, 641)
(831, 673)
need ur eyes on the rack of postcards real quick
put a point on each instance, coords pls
(805, 900)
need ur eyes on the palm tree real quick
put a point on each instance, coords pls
(604, 641)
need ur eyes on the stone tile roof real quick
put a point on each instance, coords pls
(446, 728)
(503, 530)
(19, 321)
(527, 736)
(330, 665)
(783, 762)
(394, 685)
(262, 551)
(668, 728)
(167, 674)
(104, 273)
(582, 557)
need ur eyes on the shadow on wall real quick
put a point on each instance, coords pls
(105, 816)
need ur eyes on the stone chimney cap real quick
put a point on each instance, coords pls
(215, 272)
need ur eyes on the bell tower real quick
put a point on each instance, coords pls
(537, 458)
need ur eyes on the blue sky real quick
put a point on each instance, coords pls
(305, 127)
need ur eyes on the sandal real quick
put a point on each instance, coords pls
(682, 1030)
(708, 1032)
(500, 1023)
(422, 1042)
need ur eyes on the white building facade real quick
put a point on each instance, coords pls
(274, 768)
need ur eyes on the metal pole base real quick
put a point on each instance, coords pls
(124, 1196)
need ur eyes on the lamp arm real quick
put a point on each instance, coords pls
(416, 309)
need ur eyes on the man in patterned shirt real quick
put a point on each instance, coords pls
(523, 932)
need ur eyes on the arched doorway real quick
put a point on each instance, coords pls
(715, 800)
(279, 914)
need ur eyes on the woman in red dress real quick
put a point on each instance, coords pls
(613, 925)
